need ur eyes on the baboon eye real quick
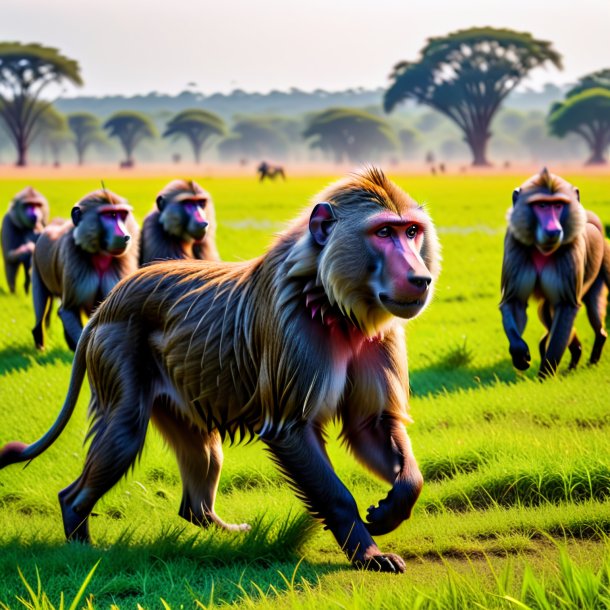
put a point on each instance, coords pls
(384, 232)
(412, 231)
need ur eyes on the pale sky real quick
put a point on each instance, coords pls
(136, 46)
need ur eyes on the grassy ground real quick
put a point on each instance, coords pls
(515, 509)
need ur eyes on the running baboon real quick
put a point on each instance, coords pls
(273, 348)
(554, 250)
(182, 226)
(81, 260)
(27, 215)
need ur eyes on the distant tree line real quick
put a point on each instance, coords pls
(464, 77)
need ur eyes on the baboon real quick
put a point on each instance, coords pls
(182, 226)
(555, 250)
(270, 171)
(27, 215)
(81, 260)
(272, 348)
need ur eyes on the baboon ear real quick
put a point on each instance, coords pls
(76, 215)
(516, 194)
(161, 203)
(577, 191)
(322, 222)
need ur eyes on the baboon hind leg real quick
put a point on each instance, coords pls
(117, 441)
(544, 313)
(42, 304)
(200, 457)
(596, 301)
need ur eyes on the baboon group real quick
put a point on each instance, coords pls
(278, 346)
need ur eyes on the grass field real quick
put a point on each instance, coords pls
(515, 511)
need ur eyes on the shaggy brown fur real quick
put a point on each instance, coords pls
(74, 262)
(27, 215)
(175, 230)
(576, 271)
(275, 348)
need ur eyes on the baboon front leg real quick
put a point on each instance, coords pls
(596, 302)
(514, 318)
(42, 304)
(73, 326)
(382, 444)
(200, 458)
(116, 443)
(300, 455)
(561, 331)
(544, 313)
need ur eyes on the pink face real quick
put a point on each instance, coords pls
(197, 223)
(406, 279)
(549, 232)
(33, 213)
(115, 234)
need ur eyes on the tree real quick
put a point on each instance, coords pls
(130, 128)
(594, 80)
(254, 137)
(197, 126)
(587, 114)
(52, 132)
(26, 70)
(350, 134)
(86, 128)
(466, 75)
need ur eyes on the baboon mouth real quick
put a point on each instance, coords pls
(402, 309)
(116, 251)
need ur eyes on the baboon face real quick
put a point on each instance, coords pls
(30, 214)
(29, 209)
(379, 260)
(182, 205)
(101, 228)
(546, 213)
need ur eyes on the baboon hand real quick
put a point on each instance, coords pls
(393, 509)
(387, 562)
(521, 355)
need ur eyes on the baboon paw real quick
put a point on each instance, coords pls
(521, 356)
(388, 562)
(237, 527)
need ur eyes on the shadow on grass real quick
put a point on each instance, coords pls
(178, 566)
(16, 358)
(439, 378)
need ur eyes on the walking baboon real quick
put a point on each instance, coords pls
(554, 250)
(27, 215)
(182, 226)
(270, 171)
(274, 348)
(81, 260)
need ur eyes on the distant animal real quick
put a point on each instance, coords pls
(27, 215)
(554, 250)
(275, 348)
(81, 260)
(270, 171)
(182, 226)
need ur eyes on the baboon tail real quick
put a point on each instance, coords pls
(15, 451)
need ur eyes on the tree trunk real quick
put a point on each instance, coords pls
(22, 153)
(597, 151)
(478, 145)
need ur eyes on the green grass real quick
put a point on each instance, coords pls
(515, 511)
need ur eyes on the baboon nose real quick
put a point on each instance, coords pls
(127, 238)
(555, 234)
(421, 281)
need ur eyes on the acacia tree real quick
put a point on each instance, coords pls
(466, 75)
(52, 133)
(350, 134)
(86, 128)
(594, 80)
(587, 114)
(197, 126)
(254, 137)
(26, 70)
(130, 128)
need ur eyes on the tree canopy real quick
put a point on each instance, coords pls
(587, 114)
(197, 126)
(26, 70)
(130, 128)
(87, 130)
(594, 80)
(350, 134)
(52, 132)
(255, 138)
(466, 75)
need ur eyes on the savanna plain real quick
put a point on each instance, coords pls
(515, 511)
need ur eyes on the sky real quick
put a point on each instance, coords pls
(131, 47)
